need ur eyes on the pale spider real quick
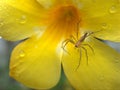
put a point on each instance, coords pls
(78, 43)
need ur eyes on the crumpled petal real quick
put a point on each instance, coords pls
(35, 62)
(101, 71)
(102, 16)
(18, 18)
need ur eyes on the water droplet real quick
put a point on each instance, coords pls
(113, 10)
(79, 5)
(22, 54)
(22, 19)
(39, 30)
(104, 25)
(1, 23)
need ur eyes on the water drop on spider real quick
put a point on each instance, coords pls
(22, 54)
(113, 10)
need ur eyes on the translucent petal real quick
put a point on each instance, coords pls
(101, 15)
(35, 63)
(19, 18)
(98, 68)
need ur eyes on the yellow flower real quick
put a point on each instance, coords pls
(67, 32)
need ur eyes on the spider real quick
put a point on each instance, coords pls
(78, 43)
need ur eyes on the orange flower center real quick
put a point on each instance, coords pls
(67, 14)
(65, 18)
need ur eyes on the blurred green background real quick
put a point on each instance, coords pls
(7, 83)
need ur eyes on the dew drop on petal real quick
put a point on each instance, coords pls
(45, 4)
(104, 25)
(113, 10)
(1, 23)
(79, 5)
(22, 54)
(22, 19)
(39, 30)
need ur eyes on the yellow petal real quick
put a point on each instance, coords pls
(35, 63)
(19, 18)
(101, 71)
(29, 6)
(51, 3)
(102, 16)
(46, 3)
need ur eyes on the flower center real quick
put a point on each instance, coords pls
(66, 18)
(67, 13)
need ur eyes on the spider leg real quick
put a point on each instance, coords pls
(73, 38)
(65, 42)
(90, 48)
(86, 53)
(79, 60)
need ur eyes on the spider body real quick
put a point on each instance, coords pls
(78, 43)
